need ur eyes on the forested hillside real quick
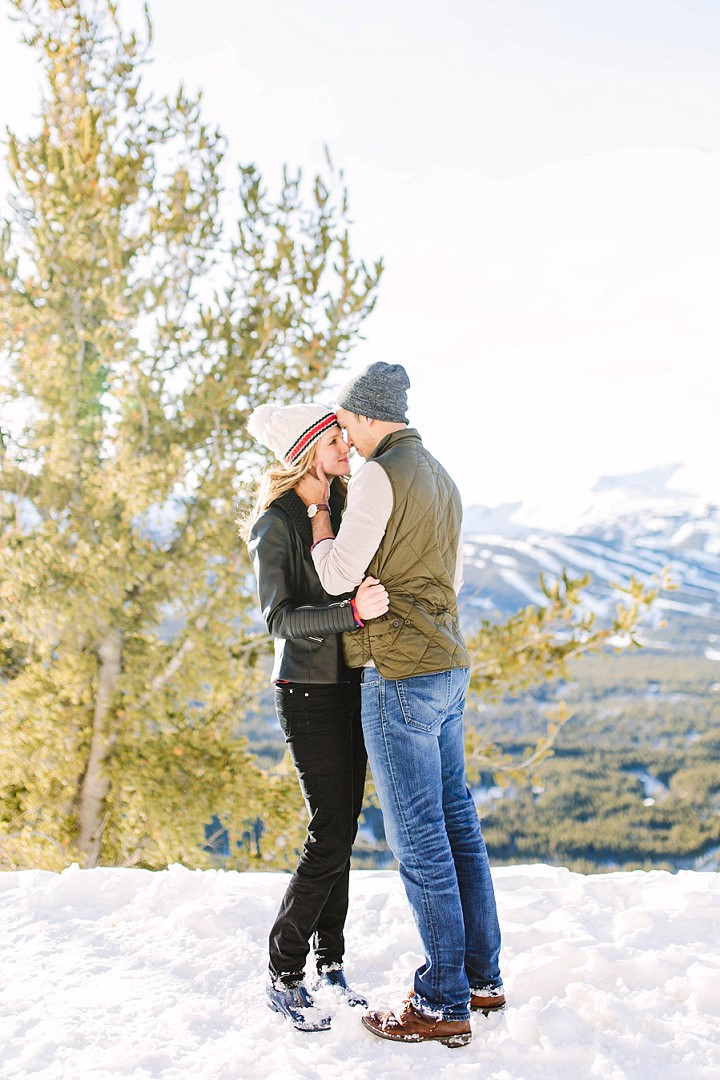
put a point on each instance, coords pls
(635, 778)
(634, 781)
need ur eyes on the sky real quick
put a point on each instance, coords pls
(542, 179)
(120, 974)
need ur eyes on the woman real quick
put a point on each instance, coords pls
(317, 699)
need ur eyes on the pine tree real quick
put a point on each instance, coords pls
(135, 338)
(538, 645)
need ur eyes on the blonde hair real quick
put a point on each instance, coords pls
(275, 481)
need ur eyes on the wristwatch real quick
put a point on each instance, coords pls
(314, 507)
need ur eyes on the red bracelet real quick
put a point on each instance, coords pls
(321, 541)
(358, 620)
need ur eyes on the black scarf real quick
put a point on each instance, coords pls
(292, 505)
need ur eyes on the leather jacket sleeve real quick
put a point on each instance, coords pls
(274, 561)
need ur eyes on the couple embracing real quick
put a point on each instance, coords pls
(357, 584)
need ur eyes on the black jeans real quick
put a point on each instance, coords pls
(324, 735)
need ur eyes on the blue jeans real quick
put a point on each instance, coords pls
(414, 738)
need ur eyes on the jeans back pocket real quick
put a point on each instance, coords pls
(425, 699)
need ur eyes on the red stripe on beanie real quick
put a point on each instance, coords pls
(309, 436)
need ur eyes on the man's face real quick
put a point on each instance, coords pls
(357, 432)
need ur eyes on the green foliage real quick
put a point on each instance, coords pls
(135, 338)
(535, 646)
(538, 642)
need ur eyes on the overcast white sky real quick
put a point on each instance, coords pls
(542, 179)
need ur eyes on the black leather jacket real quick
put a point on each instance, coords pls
(306, 622)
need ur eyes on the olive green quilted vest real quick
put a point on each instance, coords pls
(420, 634)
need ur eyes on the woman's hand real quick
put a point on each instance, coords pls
(371, 599)
(314, 488)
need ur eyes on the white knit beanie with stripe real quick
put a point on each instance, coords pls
(290, 430)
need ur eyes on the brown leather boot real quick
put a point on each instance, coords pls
(413, 1026)
(486, 1000)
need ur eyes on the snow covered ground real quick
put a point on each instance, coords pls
(132, 975)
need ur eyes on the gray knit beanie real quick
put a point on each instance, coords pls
(379, 392)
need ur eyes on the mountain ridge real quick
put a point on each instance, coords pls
(634, 526)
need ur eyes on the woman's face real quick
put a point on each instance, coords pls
(332, 452)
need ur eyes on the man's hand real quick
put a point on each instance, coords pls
(314, 489)
(371, 599)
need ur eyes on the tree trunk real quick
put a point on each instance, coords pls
(96, 781)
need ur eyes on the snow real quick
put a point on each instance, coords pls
(516, 581)
(132, 974)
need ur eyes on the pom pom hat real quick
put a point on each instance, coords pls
(290, 430)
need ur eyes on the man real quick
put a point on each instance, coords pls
(402, 525)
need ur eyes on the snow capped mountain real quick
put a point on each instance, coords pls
(635, 525)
